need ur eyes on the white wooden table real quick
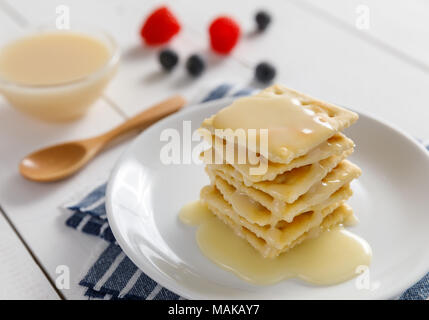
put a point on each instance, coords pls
(316, 46)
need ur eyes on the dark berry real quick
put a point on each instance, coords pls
(195, 65)
(263, 19)
(224, 34)
(265, 72)
(168, 59)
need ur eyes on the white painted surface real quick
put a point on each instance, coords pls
(20, 276)
(401, 25)
(312, 53)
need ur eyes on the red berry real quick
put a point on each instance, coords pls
(224, 34)
(159, 27)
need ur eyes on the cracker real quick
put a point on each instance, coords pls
(287, 187)
(273, 240)
(335, 145)
(327, 115)
(249, 201)
(258, 214)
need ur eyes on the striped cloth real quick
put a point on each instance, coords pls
(113, 275)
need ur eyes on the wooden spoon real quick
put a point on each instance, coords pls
(60, 161)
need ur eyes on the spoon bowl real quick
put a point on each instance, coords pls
(55, 162)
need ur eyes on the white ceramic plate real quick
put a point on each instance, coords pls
(391, 200)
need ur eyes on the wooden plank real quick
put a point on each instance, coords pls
(400, 25)
(20, 276)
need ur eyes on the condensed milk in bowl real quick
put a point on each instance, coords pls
(57, 74)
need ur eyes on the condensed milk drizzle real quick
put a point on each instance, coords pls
(290, 125)
(334, 256)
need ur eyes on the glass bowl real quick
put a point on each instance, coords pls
(65, 100)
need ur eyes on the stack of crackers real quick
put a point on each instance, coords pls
(301, 181)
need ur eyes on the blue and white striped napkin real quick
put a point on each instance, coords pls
(114, 276)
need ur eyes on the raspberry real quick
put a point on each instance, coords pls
(160, 26)
(224, 34)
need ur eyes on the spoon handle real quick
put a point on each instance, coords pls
(147, 117)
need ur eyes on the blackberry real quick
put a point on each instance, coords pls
(168, 59)
(195, 65)
(262, 19)
(265, 72)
